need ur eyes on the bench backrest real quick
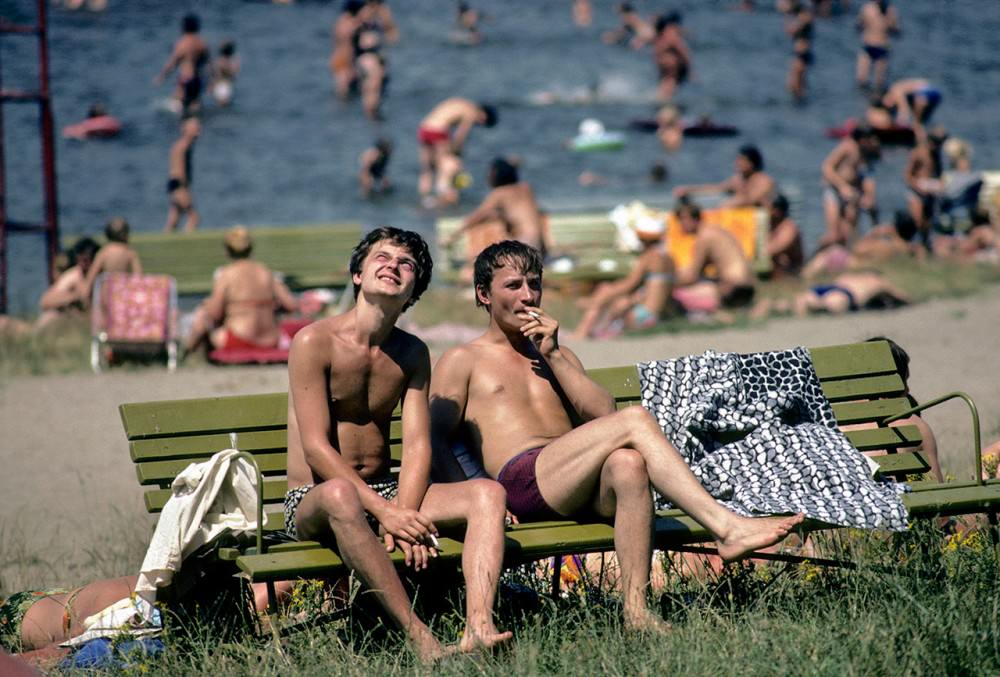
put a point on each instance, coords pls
(307, 256)
(861, 380)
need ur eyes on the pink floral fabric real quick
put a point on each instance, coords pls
(136, 308)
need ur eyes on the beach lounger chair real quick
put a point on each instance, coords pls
(861, 380)
(133, 313)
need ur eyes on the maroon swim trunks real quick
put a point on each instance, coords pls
(518, 478)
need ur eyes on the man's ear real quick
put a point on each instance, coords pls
(356, 278)
(483, 296)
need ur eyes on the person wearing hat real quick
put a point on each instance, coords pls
(640, 299)
(241, 312)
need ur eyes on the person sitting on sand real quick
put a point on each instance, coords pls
(373, 176)
(714, 246)
(750, 186)
(442, 135)
(640, 299)
(240, 313)
(116, 256)
(512, 204)
(68, 295)
(346, 375)
(784, 240)
(882, 243)
(850, 185)
(551, 437)
(980, 243)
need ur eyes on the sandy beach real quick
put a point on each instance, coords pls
(67, 482)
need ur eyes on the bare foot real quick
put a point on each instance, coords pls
(646, 622)
(483, 641)
(431, 651)
(753, 533)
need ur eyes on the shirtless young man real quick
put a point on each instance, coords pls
(922, 176)
(877, 21)
(850, 188)
(179, 182)
(713, 245)
(442, 134)
(750, 186)
(784, 240)
(551, 435)
(244, 301)
(346, 375)
(342, 56)
(115, 256)
(189, 56)
(511, 202)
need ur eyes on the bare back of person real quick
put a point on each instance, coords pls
(250, 300)
(116, 257)
(724, 252)
(876, 25)
(755, 190)
(518, 208)
(192, 53)
(449, 113)
(364, 388)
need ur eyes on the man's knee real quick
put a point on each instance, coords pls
(637, 418)
(626, 468)
(339, 500)
(487, 496)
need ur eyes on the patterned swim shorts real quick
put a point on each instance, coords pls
(387, 488)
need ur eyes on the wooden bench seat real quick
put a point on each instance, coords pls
(307, 256)
(860, 380)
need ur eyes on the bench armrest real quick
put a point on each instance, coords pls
(248, 457)
(977, 451)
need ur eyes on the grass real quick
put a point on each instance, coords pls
(918, 604)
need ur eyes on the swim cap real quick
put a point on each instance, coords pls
(591, 127)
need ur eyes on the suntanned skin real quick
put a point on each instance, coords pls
(842, 169)
(863, 285)
(69, 291)
(515, 205)
(190, 53)
(342, 56)
(515, 388)
(876, 28)
(718, 247)
(113, 257)
(784, 244)
(346, 375)
(922, 176)
(749, 188)
(613, 300)
(458, 116)
(245, 296)
(182, 200)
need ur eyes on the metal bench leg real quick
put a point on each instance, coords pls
(991, 516)
(556, 576)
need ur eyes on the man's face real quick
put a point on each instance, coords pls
(510, 296)
(388, 270)
(743, 165)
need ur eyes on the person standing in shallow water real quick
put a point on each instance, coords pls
(800, 28)
(181, 177)
(877, 22)
(189, 57)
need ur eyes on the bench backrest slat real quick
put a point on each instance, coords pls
(860, 379)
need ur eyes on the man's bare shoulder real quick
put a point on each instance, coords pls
(460, 357)
(410, 348)
(316, 338)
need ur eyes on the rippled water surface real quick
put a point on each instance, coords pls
(286, 152)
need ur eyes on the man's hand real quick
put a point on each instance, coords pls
(542, 329)
(406, 525)
(417, 556)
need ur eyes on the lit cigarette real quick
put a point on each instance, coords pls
(435, 543)
(534, 315)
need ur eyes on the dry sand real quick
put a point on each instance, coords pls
(67, 487)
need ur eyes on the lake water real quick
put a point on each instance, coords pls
(286, 151)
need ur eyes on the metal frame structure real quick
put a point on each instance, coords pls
(42, 97)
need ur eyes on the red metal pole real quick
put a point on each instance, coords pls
(48, 143)
(3, 208)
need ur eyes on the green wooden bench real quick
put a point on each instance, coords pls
(860, 380)
(308, 256)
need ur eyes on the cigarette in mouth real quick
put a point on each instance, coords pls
(534, 314)
(434, 542)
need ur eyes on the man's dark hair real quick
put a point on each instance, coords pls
(403, 238)
(502, 172)
(490, 114)
(753, 156)
(190, 23)
(352, 7)
(525, 258)
(116, 230)
(780, 203)
(906, 226)
(228, 48)
(85, 246)
(899, 356)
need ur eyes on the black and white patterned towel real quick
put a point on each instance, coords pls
(761, 437)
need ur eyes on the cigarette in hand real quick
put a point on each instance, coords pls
(534, 315)
(434, 542)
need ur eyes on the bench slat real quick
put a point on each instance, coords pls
(204, 415)
(854, 359)
(163, 472)
(201, 447)
(274, 492)
(874, 439)
(848, 413)
(863, 388)
(952, 501)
